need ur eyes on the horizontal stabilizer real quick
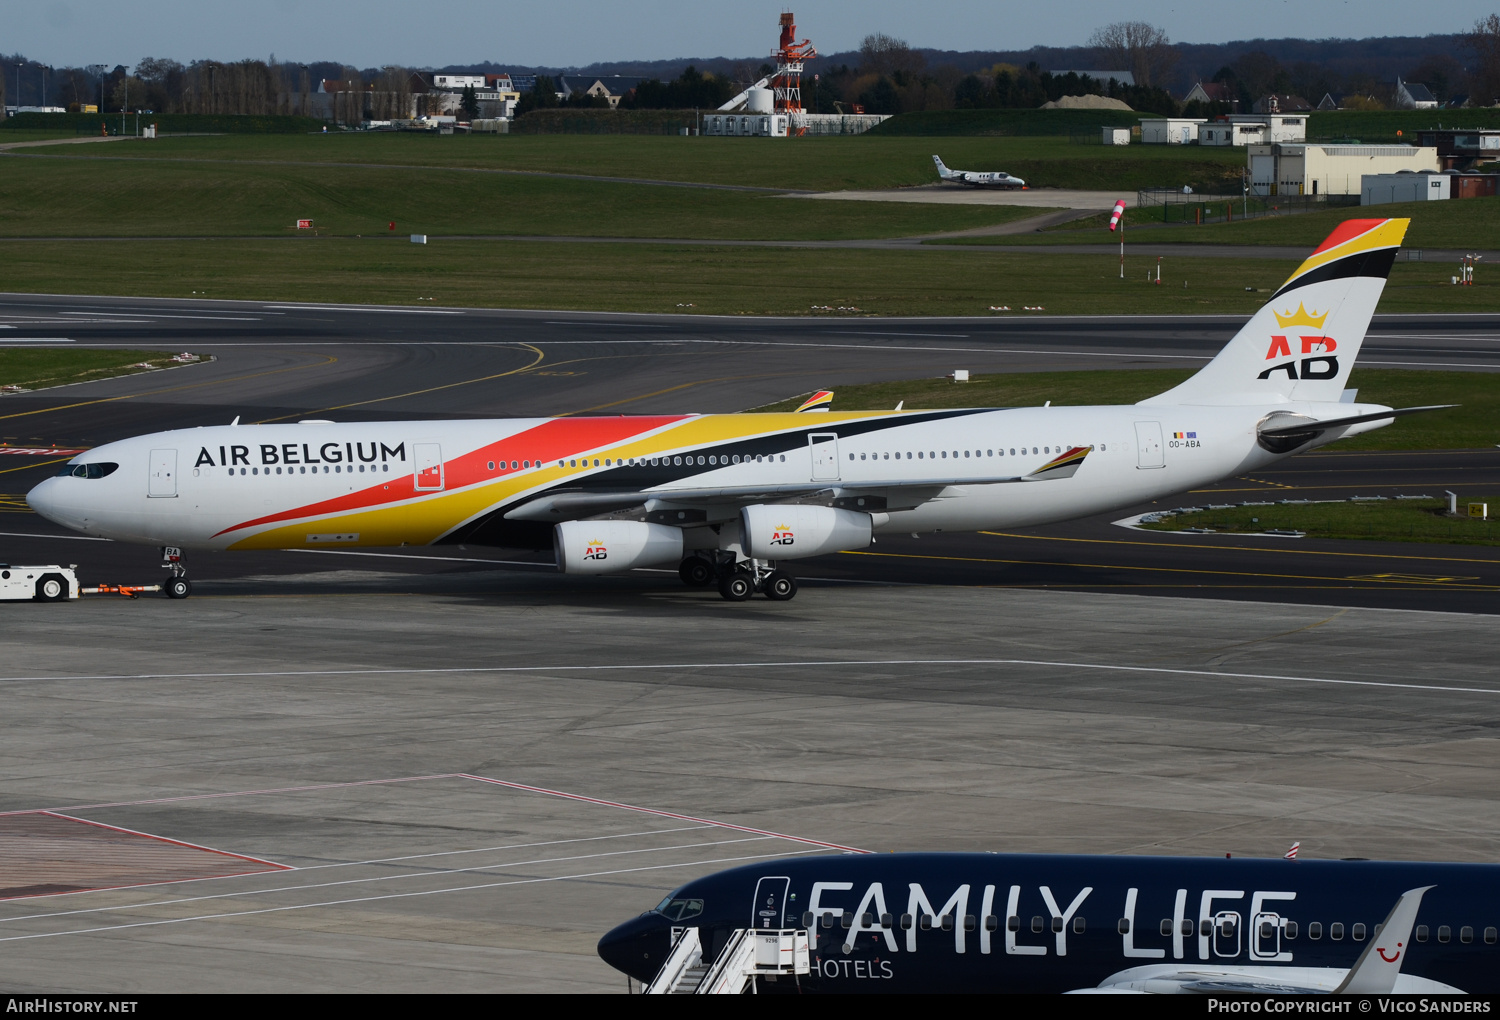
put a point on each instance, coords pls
(1303, 427)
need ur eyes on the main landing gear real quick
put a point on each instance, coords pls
(738, 581)
(179, 587)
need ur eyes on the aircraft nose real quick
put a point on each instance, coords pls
(43, 499)
(638, 947)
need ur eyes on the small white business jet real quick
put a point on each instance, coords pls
(733, 498)
(989, 179)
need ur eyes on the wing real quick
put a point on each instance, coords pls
(667, 501)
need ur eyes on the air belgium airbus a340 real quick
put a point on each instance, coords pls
(734, 498)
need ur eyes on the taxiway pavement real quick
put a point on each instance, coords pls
(439, 784)
(453, 769)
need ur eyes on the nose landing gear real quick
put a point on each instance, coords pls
(179, 587)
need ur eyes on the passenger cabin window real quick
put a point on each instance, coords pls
(1445, 933)
(1491, 936)
(1466, 934)
(1358, 933)
(1122, 926)
(1422, 932)
(1336, 930)
(1315, 930)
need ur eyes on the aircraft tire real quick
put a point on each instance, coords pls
(179, 588)
(737, 586)
(696, 572)
(52, 588)
(780, 586)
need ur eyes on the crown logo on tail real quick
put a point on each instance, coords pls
(1301, 317)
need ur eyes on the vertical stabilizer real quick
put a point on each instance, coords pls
(1302, 343)
(943, 171)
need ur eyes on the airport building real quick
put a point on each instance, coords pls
(1292, 169)
(1456, 147)
(1170, 130)
(1380, 189)
(1242, 129)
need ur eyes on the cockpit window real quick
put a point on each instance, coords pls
(97, 470)
(679, 910)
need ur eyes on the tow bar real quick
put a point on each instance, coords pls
(130, 591)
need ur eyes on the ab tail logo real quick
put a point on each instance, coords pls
(1321, 365)
(782, 535)
(596, 551)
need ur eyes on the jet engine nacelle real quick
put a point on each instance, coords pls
(794, 532)
(607, 547)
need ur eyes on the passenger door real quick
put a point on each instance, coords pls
(825, 456)
(429, 466)
(1148, 445)
(162, 481)
(1227, 933)
(769, 908)
(1265, 937)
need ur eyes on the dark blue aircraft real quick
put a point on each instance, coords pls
(1045, 923)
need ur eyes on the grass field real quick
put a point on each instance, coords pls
(701, 279)
(1472, 223)
(33, 368)
(814, 164)
(121, 198)
(1475, 423)
(250, 186)
(1404, 520)
(631, 277)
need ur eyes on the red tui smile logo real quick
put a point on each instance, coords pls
(1389, 959)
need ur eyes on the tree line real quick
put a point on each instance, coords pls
(886, 76)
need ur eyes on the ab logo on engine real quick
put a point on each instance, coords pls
(596, 551)
(782, 535)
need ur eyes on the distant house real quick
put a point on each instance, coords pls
(1214, 92)
(612, 87)
(458, 82)
(1411, 96)
(1123, 77)
(1276, 103)
(1331, 101)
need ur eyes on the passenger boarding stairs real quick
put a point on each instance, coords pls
(750, 953)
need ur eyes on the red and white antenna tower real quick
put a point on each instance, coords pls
(786, 83)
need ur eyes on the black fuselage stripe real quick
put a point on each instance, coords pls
(635, 477)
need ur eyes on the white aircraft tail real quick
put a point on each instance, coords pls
(942, 170)
(1302, 343)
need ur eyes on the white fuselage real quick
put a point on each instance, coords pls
(413, 483)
